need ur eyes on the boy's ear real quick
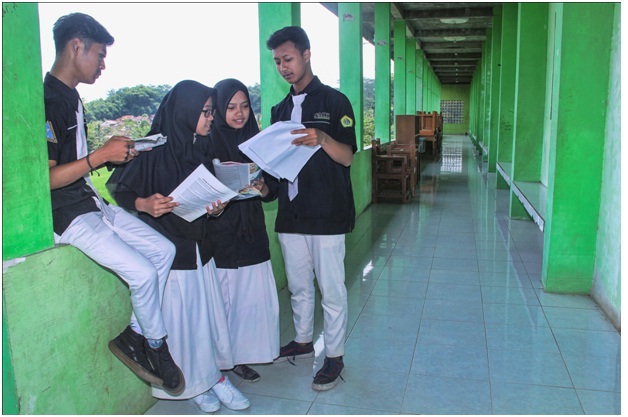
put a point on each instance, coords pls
(306, 55)
(75, 46)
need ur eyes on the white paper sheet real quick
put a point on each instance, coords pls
(272, 150)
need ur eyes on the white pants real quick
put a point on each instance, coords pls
(307, 256)
(134, 251)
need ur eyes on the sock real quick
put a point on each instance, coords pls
(155, 343)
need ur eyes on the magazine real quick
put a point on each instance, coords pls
(239, 177)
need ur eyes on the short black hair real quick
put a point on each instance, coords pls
(82, 26)
(295, 34)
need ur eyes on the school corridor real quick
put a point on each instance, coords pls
(447, 315)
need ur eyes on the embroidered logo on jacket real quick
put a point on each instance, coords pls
(346, 121)
(322, 116)
(50, 133)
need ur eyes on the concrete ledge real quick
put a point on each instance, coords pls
(533, 195)
(61, 311)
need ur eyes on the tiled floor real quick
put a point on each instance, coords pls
(447, 316)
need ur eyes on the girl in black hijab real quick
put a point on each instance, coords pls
(240, 241)
(192, 305)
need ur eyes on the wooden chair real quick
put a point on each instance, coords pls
(391, 177)
(414, 160)
(429, 130)
(407, 129)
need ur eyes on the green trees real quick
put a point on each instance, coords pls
(134, 101)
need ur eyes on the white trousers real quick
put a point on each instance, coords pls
(136, 252)
(306, 257)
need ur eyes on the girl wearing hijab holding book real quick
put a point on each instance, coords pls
(192, 304)
(240, 241)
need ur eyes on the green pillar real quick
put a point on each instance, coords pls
(507, 83)
(382, 72)
(410, 76)
(272, 17)
(531, 61)
(351, 83)
(496, 55)
(482, 99)
(420, 79)
(27, 211)
(400, 67)
(486, 96)
(273, 88)
(580, 87)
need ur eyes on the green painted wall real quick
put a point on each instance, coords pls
(578, 142)
(350, 61)
(529, 107)
(411, 77)
(383, 122)
(27, 220)
(457, 92)
(62, 364)
(272, 17)
(607, 270)
(507, 83)
(399, 98)
(496, 71)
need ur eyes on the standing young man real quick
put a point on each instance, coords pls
(316, 210)
(110, 236)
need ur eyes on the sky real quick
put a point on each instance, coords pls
(164, 43)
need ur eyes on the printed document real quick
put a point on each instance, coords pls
(197, 191)
(273, 151)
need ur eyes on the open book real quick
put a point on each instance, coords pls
(149, 142)
(238, 176)
(273, 151)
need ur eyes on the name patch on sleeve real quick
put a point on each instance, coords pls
(50, 133)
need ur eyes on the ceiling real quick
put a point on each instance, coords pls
(452, 49)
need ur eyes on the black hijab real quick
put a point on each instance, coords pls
(162, 169)
(224, 138)
(240, 215)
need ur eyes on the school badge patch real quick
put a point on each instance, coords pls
(346, 121)
(50, 133)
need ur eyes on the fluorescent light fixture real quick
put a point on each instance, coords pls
(455, 20)
(454, 38)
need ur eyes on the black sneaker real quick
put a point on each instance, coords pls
(329, 375)
(129, 348)
(246, 373)
(294, 350)
(164, 366)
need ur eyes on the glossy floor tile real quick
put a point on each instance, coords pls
(447, 315)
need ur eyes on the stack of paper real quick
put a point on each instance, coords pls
(149, 142)
(273, 151)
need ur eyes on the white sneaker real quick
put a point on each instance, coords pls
(207, 402)
(229, 395)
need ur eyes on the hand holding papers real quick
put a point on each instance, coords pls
(149, 142)
(273, 151)
(198, 191)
